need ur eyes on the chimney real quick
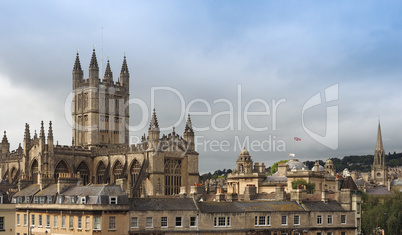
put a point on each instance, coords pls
(282, 168)
(280, 193)
(262, 168)
(250, 192)
(220, 195)
(183, 192)
(345, 198)
(324, 196)
(122, 182)
(66, 180)
(298, 194)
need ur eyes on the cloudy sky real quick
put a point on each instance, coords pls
(251, 73)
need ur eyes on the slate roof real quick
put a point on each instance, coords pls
(321, 206)
(50, 190)
(259, 206)
(380, 190)
(28, 191)
(162, 204)
(349, 183)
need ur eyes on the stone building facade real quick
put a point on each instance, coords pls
(100, 151)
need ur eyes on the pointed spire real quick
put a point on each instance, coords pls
(379, 145)
(108, 72)
(42, 131)
(5, 140)
(124, 68)
(154, 121)
(50, 133)
(27, 134)
(77, 64)
(94, 61)
(189, 125)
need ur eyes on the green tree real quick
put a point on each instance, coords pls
(309, 185)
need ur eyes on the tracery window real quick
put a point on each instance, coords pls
(60, 168)
(117, 171)
(172, 176)
(84, 172)
(34, 171)
(101, 173)
(134, 172)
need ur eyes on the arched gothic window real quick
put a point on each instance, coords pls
(172, 176)
(84, 172)
(135, 171)
(34, 171)
(60, 168)
(101, 173)
(117, 171)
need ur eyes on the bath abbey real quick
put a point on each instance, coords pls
(100, 184)
(100, 151)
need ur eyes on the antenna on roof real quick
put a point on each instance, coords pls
(101, 51)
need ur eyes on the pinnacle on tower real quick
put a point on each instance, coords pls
(42, 131)
(50, 133)
(27, 134)
(154, 122)
(124, 68)
(94, 62)
(379, 145)
(5, 140)
(77, 64)
(189, 125)
(108, 72)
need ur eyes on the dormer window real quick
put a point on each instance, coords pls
(27, 199)
(112, 199)
(36, 200)
(49, 199)
(60, 200)
(42, 200)
(73, 200)
(83, 200)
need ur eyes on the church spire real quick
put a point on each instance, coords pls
(5, 140)
(379, 145)
(189, 125)
(124, 67)
(77, 63)
(93, 67)
(108, 72)
(42, 131)
(50, 133)
(124, 74)
(153, 125)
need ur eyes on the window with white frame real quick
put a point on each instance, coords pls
(32, 220)
(112, 222)
(47, 221)
(40, 221)
(319, 219)
(261, 220)
(2, 221)
(164, 222)
(222, 221)
(25, 219)
(134, 222)
(63, 221)
(79, 222)
(343, 219)
(149, 222)
(329, 219)
(97, 223)
(18, 219)
(42, 200)
(193, 221)
(296, 220)
(36, 200)
(55, 221)
(329, 233)
(49, 199)
(83, 200)
(178, 222)
(112, 200)
(284, 220)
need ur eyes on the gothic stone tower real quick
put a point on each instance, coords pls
(379, 170)
(100, 112)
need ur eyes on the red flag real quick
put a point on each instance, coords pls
(297, 139)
